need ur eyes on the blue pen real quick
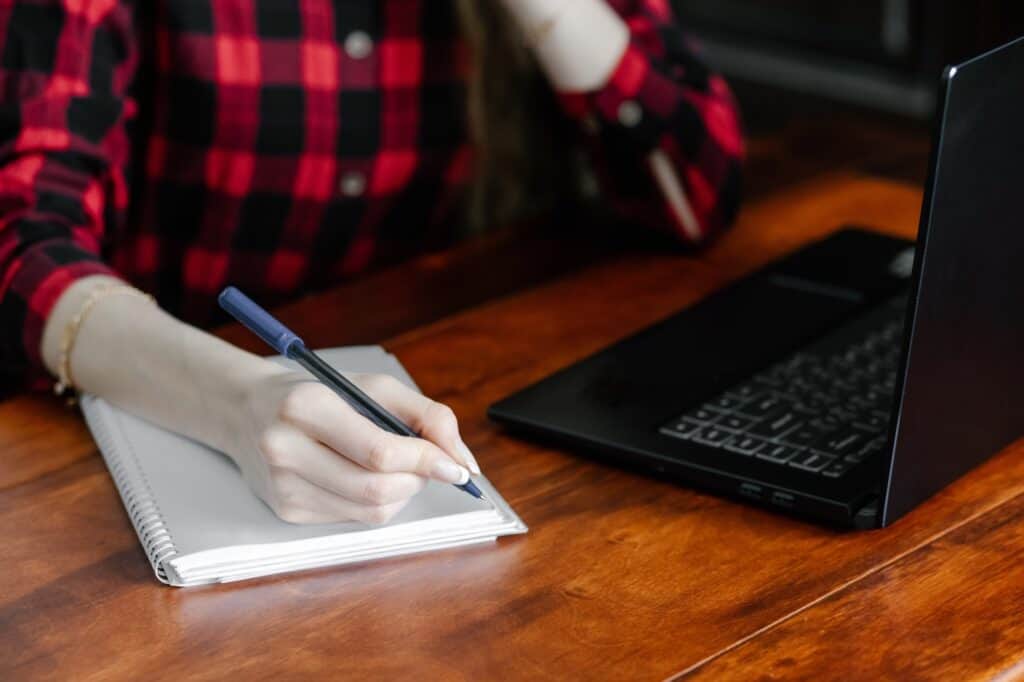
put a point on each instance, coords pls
(288, 344)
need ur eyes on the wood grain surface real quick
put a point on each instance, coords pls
(621, 576)
(950, 610)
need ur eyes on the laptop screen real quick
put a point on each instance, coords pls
(962, 394)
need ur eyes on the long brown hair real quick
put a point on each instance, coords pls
(522, 157)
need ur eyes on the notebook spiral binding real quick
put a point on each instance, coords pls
(133, 487)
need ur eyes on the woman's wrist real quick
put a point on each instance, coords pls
(533, 15)
(68, 305)
(228, 380)
(132, 353)
(577, 42)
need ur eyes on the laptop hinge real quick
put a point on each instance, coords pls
(866, 517)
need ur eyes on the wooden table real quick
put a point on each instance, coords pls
(620, 577)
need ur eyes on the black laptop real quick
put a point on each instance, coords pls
(850, 380)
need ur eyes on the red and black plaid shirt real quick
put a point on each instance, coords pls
(279, 146)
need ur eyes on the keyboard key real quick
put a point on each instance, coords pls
(871, 448)
(768, 406)
(808, 434)
(826, 423)
(799, 385)
(744, 392)
(744, 445)
(681, 429)
(844, 385)
(809, 405)
(777, 453)
(837, 468)
(871, 423)
(841, 442)
(811, 461)
(703, 414)
(843, 413)
(711, 435)
(724, 403)
(877, 399)
(769, 379)
(825, 398)
(735, 422)
(822, 404)
(802, 360)
(777, 426)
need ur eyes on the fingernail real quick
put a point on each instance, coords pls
(468, 457)
(449, 472)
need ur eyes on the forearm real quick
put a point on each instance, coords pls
(577, 42)
(300, 447)
(649, 105)
(133, 354)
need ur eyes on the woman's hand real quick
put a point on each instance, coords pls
(301, 448)
(313, 459)
(577, 42)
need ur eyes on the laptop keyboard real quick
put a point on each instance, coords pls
(822, 413)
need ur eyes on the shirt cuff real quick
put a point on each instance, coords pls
(30, 288)
(620, 102)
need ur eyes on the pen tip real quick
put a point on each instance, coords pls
(471, 488)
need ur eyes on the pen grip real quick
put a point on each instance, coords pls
(362, 403)
(351, 393)
(287, 343)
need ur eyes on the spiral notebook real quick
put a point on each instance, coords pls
(199, 522)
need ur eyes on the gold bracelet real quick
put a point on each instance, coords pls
(65, 385)
(540, 32)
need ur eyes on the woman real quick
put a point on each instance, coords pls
(286, 146)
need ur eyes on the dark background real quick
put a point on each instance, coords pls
(841, 84)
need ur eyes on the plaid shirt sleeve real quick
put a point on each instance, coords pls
(664, 132)
(64, 69)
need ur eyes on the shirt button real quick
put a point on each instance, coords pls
(630, 113)
(352, 184)
(358, 45)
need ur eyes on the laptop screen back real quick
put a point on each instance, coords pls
(963, 391)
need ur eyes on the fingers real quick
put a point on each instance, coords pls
(317, 411)
(429, 418)
(289, 449)
(296, 500)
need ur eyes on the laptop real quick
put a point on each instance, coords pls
(853, 379)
